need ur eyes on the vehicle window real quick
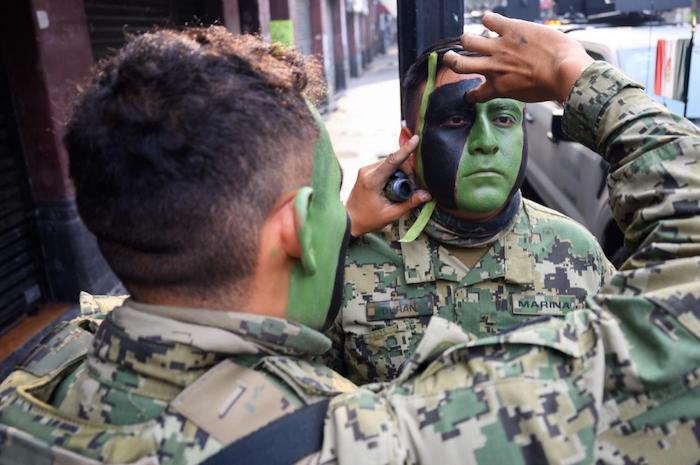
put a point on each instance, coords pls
(595, 55)
(640, 63)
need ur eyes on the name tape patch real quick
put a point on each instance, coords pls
(543, 304)
(400, 308)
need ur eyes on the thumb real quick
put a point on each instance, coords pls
(418, 198)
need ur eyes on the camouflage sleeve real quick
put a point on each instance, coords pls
(652, 187)
(615, 385)
(650, 310)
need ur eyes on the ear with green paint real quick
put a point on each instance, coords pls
(304, 230)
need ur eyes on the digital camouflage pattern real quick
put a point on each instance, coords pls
(617, 383)
(157, 385)
(544, 264)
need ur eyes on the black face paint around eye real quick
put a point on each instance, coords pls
(443, 144)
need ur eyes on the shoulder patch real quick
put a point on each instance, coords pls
(231, 401)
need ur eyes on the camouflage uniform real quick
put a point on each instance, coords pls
(617, 383)
(544, 264)
(157, 385)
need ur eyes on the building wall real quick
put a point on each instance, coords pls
(47, 51)
(48, 48)
(354, 44)
(49, 54)
(340, 44)
(302, 26)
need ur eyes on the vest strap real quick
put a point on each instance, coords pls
(286, 440)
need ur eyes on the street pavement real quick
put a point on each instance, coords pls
(366, 122)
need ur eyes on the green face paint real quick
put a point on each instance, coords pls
(472, 155)
(493, 153)
(315, 283)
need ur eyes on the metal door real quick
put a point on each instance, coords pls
(109, 21)
(21, 274)
(302, 26)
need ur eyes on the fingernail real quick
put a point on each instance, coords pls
(413, 139)
(424, 196)
(451, 53)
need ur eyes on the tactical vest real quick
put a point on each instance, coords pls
(229, 407)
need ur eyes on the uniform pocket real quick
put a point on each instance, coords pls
(378, 354)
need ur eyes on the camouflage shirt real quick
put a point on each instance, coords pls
(617, 383)
(158, 385)
(544, 264)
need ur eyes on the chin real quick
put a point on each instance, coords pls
(483, 206)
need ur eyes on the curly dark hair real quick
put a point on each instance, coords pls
(180, 146)
(417, 74)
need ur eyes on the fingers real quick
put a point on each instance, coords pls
(407, 167)
(466, 65)
(393, 162)
(479, 44)
(496, 23)
(483, 93)
(418, 198)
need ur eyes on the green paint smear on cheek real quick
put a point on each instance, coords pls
(321, 234)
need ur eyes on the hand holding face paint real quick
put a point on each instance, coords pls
(528, 62)
(367, 205)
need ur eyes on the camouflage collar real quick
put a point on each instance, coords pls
(448, 229)
(427, 260)
(230, 332)
(164, 347)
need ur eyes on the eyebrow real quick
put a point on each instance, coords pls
(503, 105)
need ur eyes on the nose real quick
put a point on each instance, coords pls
(482, 139)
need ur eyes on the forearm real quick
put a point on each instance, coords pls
(654, 180)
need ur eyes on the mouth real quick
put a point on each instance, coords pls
(483, 173)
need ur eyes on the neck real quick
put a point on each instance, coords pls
(474, 232)
(266, 295)
(228, 299)
(473, 216)
(269, 286)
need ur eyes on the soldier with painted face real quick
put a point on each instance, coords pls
(213, 191)
(165, 384)
(617, 383)
(486, 259)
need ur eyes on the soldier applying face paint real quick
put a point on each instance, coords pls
(479, 254)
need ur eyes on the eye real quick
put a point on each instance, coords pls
(456, 121)
(504, 121)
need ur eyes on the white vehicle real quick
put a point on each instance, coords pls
(567, 176)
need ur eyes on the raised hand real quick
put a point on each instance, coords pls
(368, 207)
(527, 61)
